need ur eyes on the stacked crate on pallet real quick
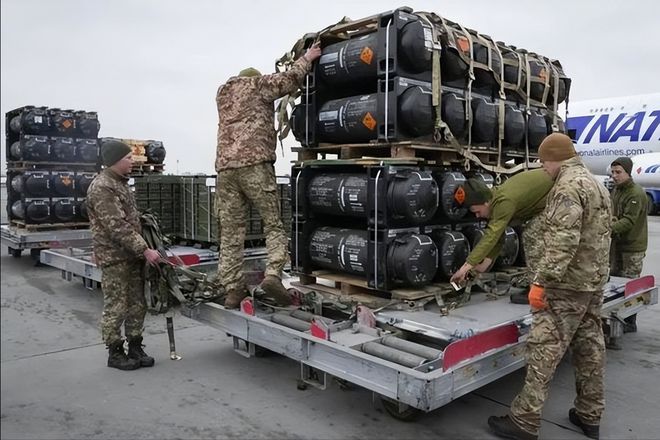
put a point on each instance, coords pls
(148, 155)
(411, 86)
(406, 84)
(52, 155)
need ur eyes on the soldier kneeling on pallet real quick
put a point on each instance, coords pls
(120, 251)
(518, 201)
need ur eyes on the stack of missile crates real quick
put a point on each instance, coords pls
(430, 103)
(52, 156)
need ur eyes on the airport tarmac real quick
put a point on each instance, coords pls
(55, 383)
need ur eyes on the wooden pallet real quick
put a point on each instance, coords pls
(147, 168)
(48, 166)
(354, 285)
(428, 152)
(49, 226)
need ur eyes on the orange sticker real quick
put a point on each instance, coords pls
(367, 55)
(463, 44)
(459, 195)
(369, 121)
(66, 123)
(66, 180)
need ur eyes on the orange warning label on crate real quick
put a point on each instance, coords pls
(463, 44)
(67, 123)
(367, 55)
(66, 180)
(459, 195)
(369, 121)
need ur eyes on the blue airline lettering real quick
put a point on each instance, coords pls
(579, 124)
(656, 121)
(635, 124)
(605, 130)
(609, 133)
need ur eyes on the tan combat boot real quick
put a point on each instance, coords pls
(234, 298)
(275, 292)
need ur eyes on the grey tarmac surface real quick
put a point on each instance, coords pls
(55, 384)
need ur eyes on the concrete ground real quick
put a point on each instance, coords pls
(55, 383)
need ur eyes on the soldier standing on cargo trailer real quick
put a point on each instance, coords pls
(244, 162)
(567, 296)
(519, 200)
(629, 231)
(120, 251)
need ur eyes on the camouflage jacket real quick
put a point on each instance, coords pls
(578, 226)
(114, 220)
(520, 198)
(630, 229)
(246, 114)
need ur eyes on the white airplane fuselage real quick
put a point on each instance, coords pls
(604, 129)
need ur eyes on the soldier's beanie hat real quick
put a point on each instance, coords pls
(476, 192)
(556, 147)
(112, 151)
(625, 163)
(250, 71)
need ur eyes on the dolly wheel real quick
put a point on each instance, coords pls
(400, 411)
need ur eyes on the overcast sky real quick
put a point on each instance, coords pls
(150, 68)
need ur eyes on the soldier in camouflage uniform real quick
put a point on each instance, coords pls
(567, 296)
(244, 162)
(518, 201)
(120, 251)
(629, 231)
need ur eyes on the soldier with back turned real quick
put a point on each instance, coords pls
(244, 162)
(566, 296)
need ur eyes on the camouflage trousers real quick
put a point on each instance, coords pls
(235, 189)
(123, 301)
(533, 246)
(626, 264)
(572, 320)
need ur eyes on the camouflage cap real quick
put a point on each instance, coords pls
(249, 72)
(112, 151)
(476, 192)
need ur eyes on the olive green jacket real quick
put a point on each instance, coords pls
(630, 228)
(517, 200)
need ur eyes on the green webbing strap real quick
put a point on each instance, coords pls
(528, 112)
(441, 129)
(166, 283)
(555, 96)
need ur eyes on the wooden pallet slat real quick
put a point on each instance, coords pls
(429, 152)
(48, 226)
(346, 284)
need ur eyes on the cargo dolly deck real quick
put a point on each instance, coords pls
(414, 361)
(19, 239)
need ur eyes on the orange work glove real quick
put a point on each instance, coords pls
(537, 297)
